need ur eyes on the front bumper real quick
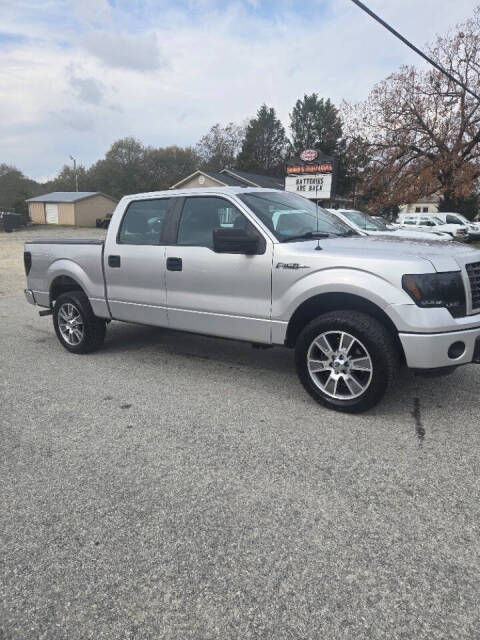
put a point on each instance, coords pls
(431, 351)
(29, 295)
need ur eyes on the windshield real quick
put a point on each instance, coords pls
(380, 222)
(288, 215)
(364, 221)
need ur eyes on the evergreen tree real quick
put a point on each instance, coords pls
(265, 145)
(316, 124)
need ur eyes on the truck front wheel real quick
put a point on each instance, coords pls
(346, 360)
(77, 328)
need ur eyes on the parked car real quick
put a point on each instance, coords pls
(10, 221)
(430, 222)
(472, 230)
(376, 226)
(285, 272)
(102, 223)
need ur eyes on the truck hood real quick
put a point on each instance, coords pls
(412, 235)
(449, 256)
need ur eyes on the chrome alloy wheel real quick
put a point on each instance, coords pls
(339, 365)
(70, 324)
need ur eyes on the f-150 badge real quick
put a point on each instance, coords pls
(291, 265)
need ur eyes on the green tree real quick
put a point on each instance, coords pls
(65, 181)
(316, 124)
(15, 188)
(122, 171)
(351, 165)
(466, 205)
(167, 165)
(265, 146)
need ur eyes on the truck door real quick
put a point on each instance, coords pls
(135, 263)
(222, 294)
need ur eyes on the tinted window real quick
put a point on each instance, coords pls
(454, 220)
(143, 221)
(201, 215)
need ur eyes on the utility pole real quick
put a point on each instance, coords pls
(75, 172)
(429, 59)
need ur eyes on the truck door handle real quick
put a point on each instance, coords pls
(113, 261)
(174, 264)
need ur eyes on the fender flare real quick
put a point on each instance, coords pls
(339, 280)
(69, 269)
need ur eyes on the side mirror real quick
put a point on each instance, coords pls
(231, 240)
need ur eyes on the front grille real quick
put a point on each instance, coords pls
(473, 271)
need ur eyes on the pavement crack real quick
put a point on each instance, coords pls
(417, 416)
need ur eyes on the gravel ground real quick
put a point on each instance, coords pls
(12, 275)
(176, 486)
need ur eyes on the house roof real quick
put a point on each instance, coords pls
(222, 179)
(234, 178)
(256, 179)
(225, 179)
(68, 196)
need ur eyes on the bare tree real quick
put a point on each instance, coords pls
(423, 129)
(219, 147)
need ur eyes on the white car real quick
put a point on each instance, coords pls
(376, 226)
(472, 228)
(434, 222)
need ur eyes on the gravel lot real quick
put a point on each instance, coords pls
(174, 486)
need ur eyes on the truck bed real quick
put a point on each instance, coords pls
(59, 258)
(66, 241)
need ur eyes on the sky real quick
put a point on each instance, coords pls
(76, 75)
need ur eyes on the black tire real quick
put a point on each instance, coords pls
(93, 328)
(376, 341)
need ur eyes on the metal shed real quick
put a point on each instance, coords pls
(76, 208)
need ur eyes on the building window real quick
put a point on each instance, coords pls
(425, 209)
(418, 209)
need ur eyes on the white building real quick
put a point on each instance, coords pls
(423, 205)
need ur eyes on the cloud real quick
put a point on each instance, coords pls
(75, 119)
(125, 51)
(87, 89)
(74, 81)
(93, 11)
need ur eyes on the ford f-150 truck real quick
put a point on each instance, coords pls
(271, 268)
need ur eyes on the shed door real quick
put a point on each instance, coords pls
(51, 211)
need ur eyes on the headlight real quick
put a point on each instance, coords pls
(437, 290)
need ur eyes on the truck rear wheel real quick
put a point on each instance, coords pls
(346, 360)
(77, 328)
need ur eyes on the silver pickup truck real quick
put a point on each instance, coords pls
(270, 268)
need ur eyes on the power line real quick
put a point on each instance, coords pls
(414, 48)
